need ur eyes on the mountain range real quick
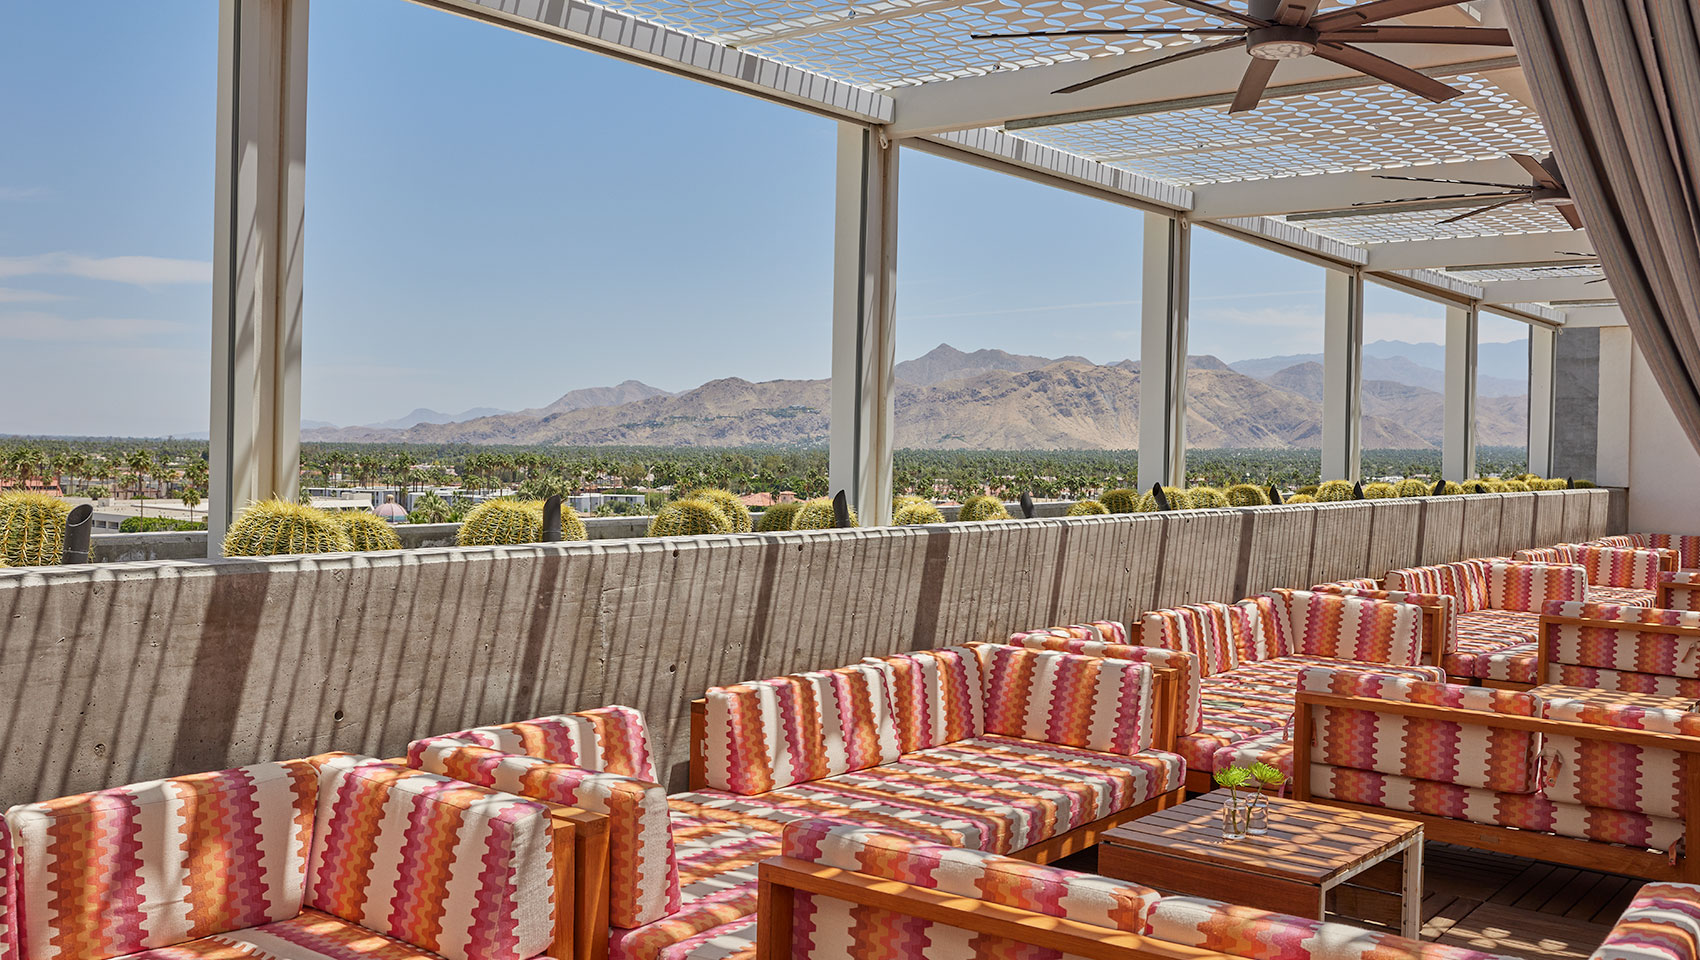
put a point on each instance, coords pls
(987, 399)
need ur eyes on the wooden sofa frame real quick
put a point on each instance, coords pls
(782, 877)
(1677, 865)
(1165, 686)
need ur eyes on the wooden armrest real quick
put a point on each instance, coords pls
(581, 882)
(699, 744)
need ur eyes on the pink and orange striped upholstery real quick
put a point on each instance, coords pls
(1184, 664)
(1220, 635)
(1529, 587)
(1686, 545)
(1093, 631)
(1661, 923)
(1344, 627)
(777, 732)
(1615, 574)
(1622, 648)
(1445, 603)
(1681, 590)
(937, 697)
(643, 879)
(1095, 703)
(1260, 935)
(1465, 581)
(607, 739)
(1615, 776)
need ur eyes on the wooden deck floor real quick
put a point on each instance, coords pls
(1502, 904)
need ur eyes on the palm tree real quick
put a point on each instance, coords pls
(140, 464)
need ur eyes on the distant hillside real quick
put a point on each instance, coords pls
(945, 362)
(1399, 369)
(426, 415)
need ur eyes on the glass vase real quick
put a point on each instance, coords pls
(1257, 815)
(1236, 815)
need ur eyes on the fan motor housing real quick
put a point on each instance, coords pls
(1281, 42)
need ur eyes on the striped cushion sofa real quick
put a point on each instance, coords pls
(1686, 545)
(845, 890)
(333, 857)
(1558, 774)
(1242, 660)
(1623, 575)
(680, 870)
(1626, 649)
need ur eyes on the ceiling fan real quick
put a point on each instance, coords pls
(1276, 30)
(1578, 253)
(1545, 189)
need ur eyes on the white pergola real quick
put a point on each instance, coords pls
(903, 74)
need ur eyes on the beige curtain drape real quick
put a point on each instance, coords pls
(1618, 84)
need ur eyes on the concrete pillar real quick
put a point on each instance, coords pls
(864, 289)
(1162, 351)
(1342, 376)
(1543, 342)
(1611, 463)
(1458, 451)
(255, 447)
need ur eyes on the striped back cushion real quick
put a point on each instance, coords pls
(643, 874)
(1094, 703)
(608, 739)
(1466, 581)
(1446, 603)
(1615, 638)
(1563, 553)
(773, 733)
(1215, 633)
(460, 870)
(1441, 750)
(1682, 590)
(1093, 631)
(1185, 665)
(1613, 567)
(1687, 546)
(1616, 776)
(1529, 587)
(937, 697)
(1081, 897)
(1349, 627)
(155, 864)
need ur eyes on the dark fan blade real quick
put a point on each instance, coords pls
(1600, 280)
(1480, 36)
(1568, 212)
(1451, 196)
(1374, 11)
(1540, 173)
(1202, 32)
(1467, 183)
(1296, 13)
(1252, 85)
(1387, 71)
(1226, 14)
(1481, 210)
(1187, 54)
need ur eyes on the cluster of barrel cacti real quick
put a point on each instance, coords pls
(1088, 508)
(271, 528)
(506, 520)
(1176, 497)
(32, 529)
(690, 517)
(980, 508)
(1379, 491)
(736, 513)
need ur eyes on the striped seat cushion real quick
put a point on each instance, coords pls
(1662, 923)
(607, 739)
(729, 941)
(773, 733)
(1234, 710)
(1254, 934)
(1095, 703)
(1091, 632)
(1482, 633)
(1628, 596)
(992, 793)
(310, 935)
(1616, 776)
(489, 892)
(154, 864)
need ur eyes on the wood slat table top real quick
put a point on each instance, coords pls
(1306, 842)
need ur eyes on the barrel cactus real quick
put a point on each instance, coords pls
(1380, 491)
(276, 527)
(817, 515)
(32, 529)
(777, 517)
(1411, 487)
(1175, 495)
(1308, 490)
(367, 531)
(1088, 508)
(1335, 491)
(737, 514)
(979, 508)
(1517, 486)
(1475, 486)
(1200, 498)
(917, 513)
(501, 521)
(689, 518)
(1247, 495)
(1120, 500)
(1301, 498)
(903, 500)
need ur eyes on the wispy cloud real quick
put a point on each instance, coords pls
(47, 327)
(11, 295)
(11, 194)
(140, 271)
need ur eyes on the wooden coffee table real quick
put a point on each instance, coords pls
(1309, 850)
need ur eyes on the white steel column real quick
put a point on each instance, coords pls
(255, 444)
(1542, 347)
(1342, 376)
(1617, 362)
(1162, 351)
(1458, 451)
(863, 322)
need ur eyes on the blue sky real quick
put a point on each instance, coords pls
(494, 220)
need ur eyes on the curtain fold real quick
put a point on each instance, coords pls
(1617, 83)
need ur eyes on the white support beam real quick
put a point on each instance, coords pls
(1517, 248)
(260, 173)
(1035, 161)
(622, 35)
(1162, 351)
(1458, 449)
(996, 98)
(1544, 290)
(1342, 376)
(1543, 342)
(864, 296)
(1611, 457)
(1316, 193)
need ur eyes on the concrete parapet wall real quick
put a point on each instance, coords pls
(117, 672)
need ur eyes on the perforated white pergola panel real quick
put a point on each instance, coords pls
(1426, 225)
